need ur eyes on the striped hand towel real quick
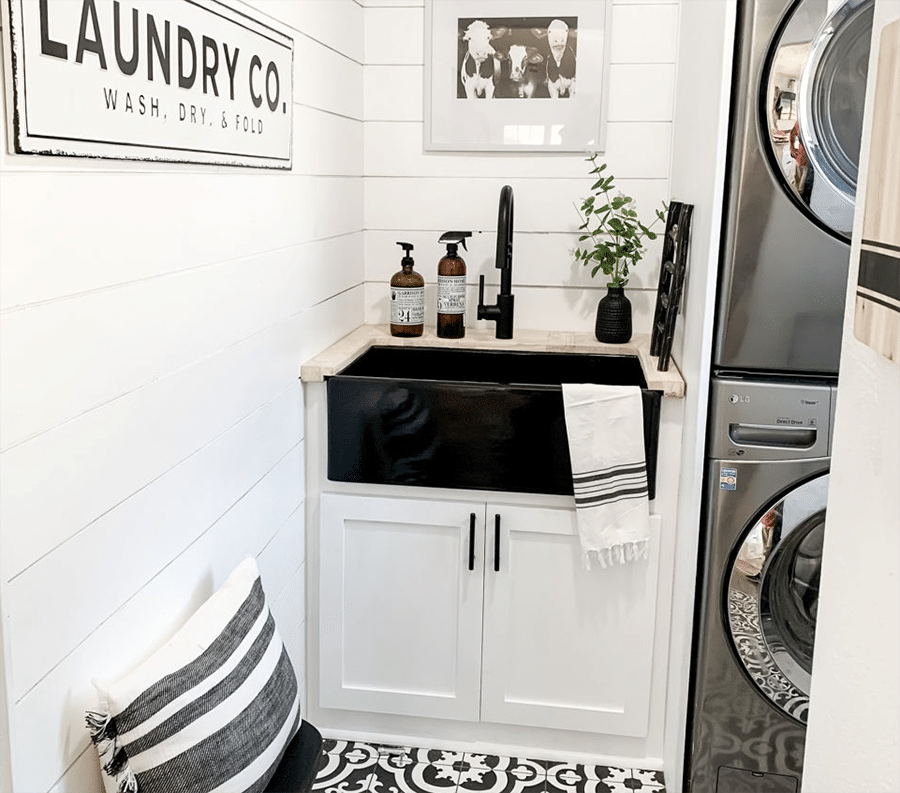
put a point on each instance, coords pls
(605, 429)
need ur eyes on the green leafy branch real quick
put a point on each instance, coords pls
(612, 230)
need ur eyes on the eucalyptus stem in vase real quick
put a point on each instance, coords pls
(612, 242)
(611, 226)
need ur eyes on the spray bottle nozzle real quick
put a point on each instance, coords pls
(453, 238)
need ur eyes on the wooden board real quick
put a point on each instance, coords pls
(877, 316)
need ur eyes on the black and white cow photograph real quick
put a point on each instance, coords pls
(516, 57)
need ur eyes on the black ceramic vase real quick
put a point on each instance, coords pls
(613, 317)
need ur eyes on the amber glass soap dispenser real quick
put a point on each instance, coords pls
(451, 287)
(407, 298)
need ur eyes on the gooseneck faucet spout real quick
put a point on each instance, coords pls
(502, 311)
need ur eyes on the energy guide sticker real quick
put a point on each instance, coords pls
(728, 479)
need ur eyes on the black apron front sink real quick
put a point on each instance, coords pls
(467, 419)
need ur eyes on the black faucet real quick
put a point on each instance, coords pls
(502, 311)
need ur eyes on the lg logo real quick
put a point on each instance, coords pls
(735, 398)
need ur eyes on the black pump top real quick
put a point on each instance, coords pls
(407, 260)
(454, 238)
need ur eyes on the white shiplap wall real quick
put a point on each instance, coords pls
(416, 195)
(152, 323)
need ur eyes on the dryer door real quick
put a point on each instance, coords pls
(813, 90)
(773, 594)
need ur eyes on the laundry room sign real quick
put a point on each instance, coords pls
(172, 80)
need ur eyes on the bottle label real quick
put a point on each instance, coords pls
(451, 291)
(407, 305)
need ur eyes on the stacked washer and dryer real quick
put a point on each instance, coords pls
(797, 104)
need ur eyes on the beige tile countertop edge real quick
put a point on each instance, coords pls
(343, 352)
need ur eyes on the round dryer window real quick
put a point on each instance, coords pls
(773, 595)
(812, 95)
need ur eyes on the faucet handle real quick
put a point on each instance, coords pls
(481, 305)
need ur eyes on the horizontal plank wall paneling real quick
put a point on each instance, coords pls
(336, 25)
(415, 195)
(639, 149)
(88, 231)
(327, 80)
(329, 321)
(205, 311)
(393, 93)
(150, 430)
(394, 35)
(541, 259)
(390, 3)
(334, 144)
(547, 205)
(128, 545)
(548, 308)
(153, 319)
(643, 33)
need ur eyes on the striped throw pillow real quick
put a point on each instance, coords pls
(211, 710)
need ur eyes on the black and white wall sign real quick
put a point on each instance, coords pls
(172, 80)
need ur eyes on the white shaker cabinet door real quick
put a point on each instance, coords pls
(400, 608)
(564, 647)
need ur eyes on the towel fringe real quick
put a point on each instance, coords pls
(104, 735)
(128, 784)
(101, 726)
(618, 554)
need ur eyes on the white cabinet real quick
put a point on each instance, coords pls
(565, 647)
(480, 612)
(400, 610)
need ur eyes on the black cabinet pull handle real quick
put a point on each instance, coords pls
(472, 541)
(496, 543)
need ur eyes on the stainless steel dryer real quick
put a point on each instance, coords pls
(766, 488)
(796, 124)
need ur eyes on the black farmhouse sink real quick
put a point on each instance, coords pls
(472, 419)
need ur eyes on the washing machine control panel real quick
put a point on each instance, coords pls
(770, 420)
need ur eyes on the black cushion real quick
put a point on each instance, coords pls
(301, 762)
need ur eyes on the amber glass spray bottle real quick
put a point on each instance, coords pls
(451, 305)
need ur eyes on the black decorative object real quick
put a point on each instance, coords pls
(302, 760)
(671, 281)
(613, 324)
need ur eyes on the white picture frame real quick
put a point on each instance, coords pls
(476, 96)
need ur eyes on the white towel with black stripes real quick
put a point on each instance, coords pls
(605, 429)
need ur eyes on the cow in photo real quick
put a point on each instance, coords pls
(481, 64)
(561, 63)
(524, 73)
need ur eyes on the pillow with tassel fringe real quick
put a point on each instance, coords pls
(211, 710)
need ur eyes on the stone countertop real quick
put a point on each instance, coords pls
(332, 360)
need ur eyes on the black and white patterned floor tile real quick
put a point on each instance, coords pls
(356, 767)
(348, 767)
(576, 778)
(485, 773)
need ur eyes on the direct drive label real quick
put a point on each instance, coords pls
(451, 294)
(408, 306)
(728, 479)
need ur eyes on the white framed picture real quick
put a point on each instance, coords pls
(516, 75)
